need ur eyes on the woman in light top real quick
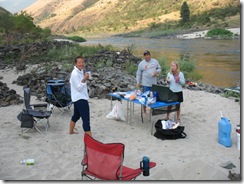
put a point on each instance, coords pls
(176, 80)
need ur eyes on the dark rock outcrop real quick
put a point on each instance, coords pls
(8, 96)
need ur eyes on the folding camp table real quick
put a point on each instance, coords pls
(156, 108)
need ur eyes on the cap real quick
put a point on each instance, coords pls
(146, 52)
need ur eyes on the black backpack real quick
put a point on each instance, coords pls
(169, 133)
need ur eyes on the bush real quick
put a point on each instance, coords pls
(67, 53)
(188, 66)
(218, 32)
(194, 76)
(164, 65)
(228, 94)
(130, 68)
(101, 64)
(76, 39)
(20, 28)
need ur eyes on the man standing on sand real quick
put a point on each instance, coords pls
(147, 72)
(79, 96)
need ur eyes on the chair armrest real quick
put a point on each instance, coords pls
(42, 106)
(39, 105)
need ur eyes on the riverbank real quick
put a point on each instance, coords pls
(58, 155)
(202, 34)
(179, 34)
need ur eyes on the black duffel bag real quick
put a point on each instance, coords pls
(169, 133)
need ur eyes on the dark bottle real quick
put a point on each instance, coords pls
(145, 165)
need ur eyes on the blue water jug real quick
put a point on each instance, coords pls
(224, 134)
(144, 164)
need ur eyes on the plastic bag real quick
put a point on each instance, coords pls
(116, 113)
(169, 124)
(144, 100)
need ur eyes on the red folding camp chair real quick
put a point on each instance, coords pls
(105, 161)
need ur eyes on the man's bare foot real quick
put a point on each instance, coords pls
(73, 133)
(145, 114)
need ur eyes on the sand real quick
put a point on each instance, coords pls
(58, 155)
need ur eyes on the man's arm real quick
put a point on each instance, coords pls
(159, 69)
(138, 76)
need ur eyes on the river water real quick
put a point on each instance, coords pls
(218, 61)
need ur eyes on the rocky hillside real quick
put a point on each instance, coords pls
(2, 10)
(114, 16)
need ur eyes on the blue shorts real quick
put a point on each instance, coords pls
(82, 110)
(146, 88)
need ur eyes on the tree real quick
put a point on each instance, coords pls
(6, 23)
(24, 23)
(184, 13)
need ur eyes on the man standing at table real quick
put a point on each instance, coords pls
(146, 74)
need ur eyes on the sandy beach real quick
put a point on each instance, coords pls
(58, 155)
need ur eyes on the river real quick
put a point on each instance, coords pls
(218, 61)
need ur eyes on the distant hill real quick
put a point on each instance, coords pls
(117, 16)
(2, 10)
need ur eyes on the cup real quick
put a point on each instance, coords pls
(89, 72)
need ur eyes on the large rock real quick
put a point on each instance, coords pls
(8, 96)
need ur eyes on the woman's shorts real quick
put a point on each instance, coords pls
(180, 96)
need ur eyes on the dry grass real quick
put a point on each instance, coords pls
(113, 16)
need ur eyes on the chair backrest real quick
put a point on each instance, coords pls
(27, 97)
(164, 94)
(54, 86)
(104, 160)
(58, 93)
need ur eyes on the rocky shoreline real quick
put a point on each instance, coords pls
(111, 73)
(185, 34)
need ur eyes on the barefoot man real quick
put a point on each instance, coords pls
(147, 72)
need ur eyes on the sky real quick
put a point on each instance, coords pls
(15, 6)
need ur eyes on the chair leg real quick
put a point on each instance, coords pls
(47, 125)
(38, 130)
(24, 130)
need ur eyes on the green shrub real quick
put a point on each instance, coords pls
(20, 28)
(130, 48)
(91, 50)
(164, 65)
(76, 38)
(188, 66)
(130, 68)
(228, 94)
(100, 64)
(194, 76)
(67, 66)
(218, 32)
(68, 52)
(109, 63)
